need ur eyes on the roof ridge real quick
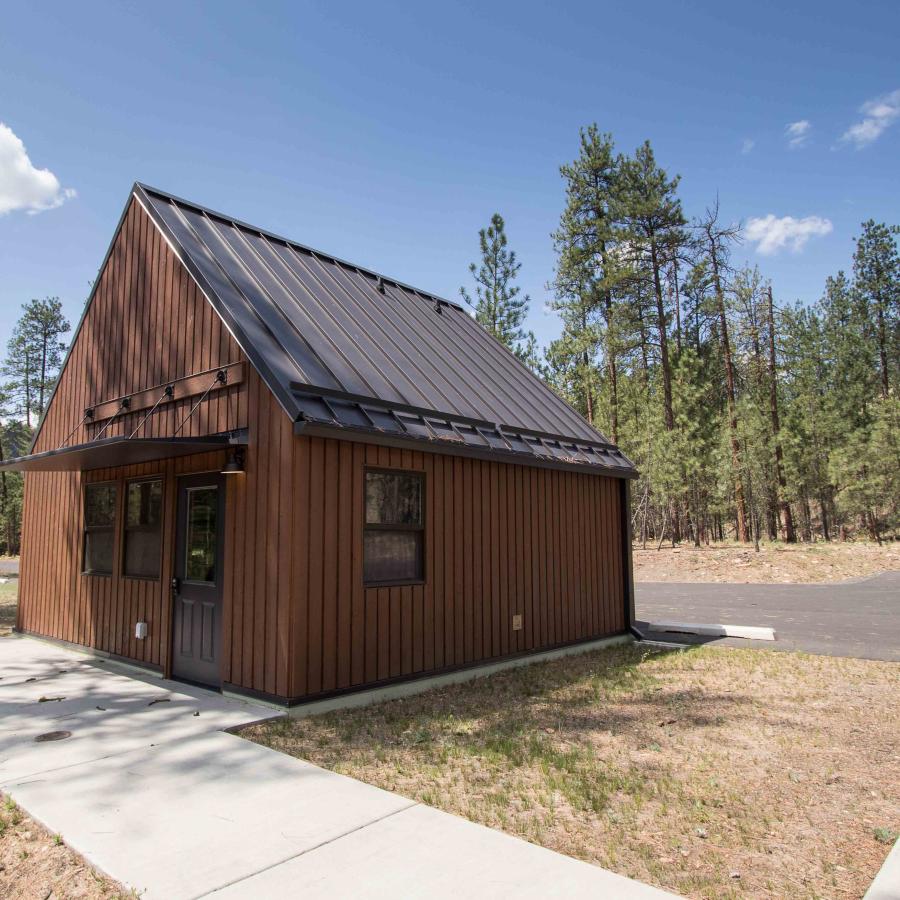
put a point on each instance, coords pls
(305, 248)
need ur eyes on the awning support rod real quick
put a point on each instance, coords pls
(220, 378)
(168, 392)
(88, 414)
(126, 403)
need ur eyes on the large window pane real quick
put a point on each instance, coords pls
(202, 534)
(393, 556)
(99, 528)
(393, 498)
(143, 522)
(144, 503)
(99, 505)
(98, 552)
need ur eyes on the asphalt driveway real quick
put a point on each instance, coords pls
(857, 618)
(149, 788)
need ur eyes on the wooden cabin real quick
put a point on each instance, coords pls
(270, 471)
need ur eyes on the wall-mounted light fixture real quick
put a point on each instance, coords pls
(235, 464)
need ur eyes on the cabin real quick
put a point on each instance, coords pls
(269, 471)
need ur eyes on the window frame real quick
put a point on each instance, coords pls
(99, 529)
(127, 482)
(421, 528)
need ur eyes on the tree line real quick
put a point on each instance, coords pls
(34, 354)
(747, 417)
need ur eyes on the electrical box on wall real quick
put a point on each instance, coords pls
(517, 622)
(140, 630)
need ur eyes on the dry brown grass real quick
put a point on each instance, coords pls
(710, 772)
(9, 594)
(36, 865)
(774, 564)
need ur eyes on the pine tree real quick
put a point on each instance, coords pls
(498, 308)
(589, 270)
(717, 240)
(876, 271)
(655, 227)
(34, 355)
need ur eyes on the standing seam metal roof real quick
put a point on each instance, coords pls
(345, 347)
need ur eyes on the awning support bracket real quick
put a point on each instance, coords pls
(88, 414)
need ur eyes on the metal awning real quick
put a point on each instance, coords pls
(119, 451)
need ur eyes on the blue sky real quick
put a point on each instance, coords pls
(388, 133)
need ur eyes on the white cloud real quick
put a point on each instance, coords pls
(22, 186)
(747, 145)
(880, 114)
(771, 234)
(797, 133)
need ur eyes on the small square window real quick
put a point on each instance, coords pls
(393, 543)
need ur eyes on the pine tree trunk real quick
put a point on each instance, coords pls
(27, 391)
(677, 307)
(787, 521)
(613, 373)
(882, 351)
(823, 510)
(588, 392)
(663, 340)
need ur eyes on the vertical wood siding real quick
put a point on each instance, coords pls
(500, 540)
(147, 324)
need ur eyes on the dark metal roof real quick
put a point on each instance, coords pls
(119, 451)
(320, 330)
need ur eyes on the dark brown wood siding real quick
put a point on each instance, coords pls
(500, 539)
(147, 324)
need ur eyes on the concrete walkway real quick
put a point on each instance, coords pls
(151, 791)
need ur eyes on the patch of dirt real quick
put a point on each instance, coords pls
(774, 564)
(36, 865)
(710, 772)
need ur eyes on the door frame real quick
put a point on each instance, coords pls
(215, 477)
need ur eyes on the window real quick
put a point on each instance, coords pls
(143, 522)
(202, 534)
(394, 534)
(99, 528)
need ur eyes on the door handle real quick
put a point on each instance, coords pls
(176, 585)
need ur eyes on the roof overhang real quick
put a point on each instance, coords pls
(374, 421)
(119, 451)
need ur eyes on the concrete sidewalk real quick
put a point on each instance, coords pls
(156, 795)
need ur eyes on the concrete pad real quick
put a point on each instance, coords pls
(750, 632)
(156, 796)
(107, 713)
(423, 852)
(184, 818)
(886, 885)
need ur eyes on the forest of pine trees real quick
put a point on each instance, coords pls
(749, 417)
